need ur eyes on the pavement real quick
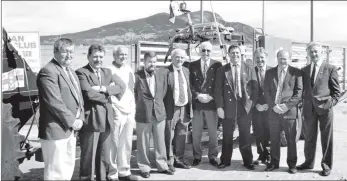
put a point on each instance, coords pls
(33, 170)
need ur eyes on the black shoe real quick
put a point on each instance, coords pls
(172, 168)
(292, 170)
(145, 174)
(167, 172)
(128, 178)
(257, 162)
(181, 165)
(250, 167)
(271, 167)
(325, 172)
(222, 165)
(214, 162)
(196, 162)
(303, 166)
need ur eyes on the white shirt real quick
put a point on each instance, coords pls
(318, 65)
(151, 82)
(176, 91)
(202, 63)
(234, 74)
(94, 70)
(127, 103)
(264, 70)
(279, 89)
(64, 68)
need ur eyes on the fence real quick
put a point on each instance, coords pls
(334, 55)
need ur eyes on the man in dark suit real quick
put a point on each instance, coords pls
(202, 80)
(178, 105)
(96, 91)
(283, 92)
(61, 112)
(150, 90)
(260, 111)
(236, 92)
(321, 93)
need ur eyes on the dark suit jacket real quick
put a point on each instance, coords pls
(261, 99)
(98, 109)
(326, 89)
(291, 92)
(146, 103)
(224, 91)
(199, 85)
(169, 98)
(58, 102)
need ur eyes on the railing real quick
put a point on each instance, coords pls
(334, 55)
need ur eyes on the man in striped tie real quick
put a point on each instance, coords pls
(178, 110)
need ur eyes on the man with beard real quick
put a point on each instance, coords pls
(202, 79)
(123, 122)
(61, 112)
(96, 90)
(236, 92)
(260, 111)
(178, 110)
(283, 92)
(150, 89)
(322, 90)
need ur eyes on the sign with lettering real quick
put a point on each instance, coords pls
(28, 46)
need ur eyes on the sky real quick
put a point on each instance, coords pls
(286, 19)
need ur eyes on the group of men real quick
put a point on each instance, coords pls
(104, 105)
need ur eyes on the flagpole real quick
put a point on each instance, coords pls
(202, 11)
(311, 20)
(263, 18)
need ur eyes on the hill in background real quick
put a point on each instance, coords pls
(153, 28)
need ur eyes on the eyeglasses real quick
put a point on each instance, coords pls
(204, 50)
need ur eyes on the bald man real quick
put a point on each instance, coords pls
(202, 79)
(178, 110)
(123, 122)
(283, 92)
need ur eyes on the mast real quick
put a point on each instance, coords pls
(202, 12)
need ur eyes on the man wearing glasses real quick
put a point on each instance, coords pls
(202, 79)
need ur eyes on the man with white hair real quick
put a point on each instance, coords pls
(321, 93)
(119, 153)
(178, 110)
(202, 79)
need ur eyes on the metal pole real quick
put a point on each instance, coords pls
(202, 11)
(263, 18)
(344, 69)
(311, 20)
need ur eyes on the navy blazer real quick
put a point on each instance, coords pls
(325, 92)
(169, 100)
(291, 93)
(58, 102)
(98, 109)
(224, 90)
(261, 98)
(148, 105)
(201, 85)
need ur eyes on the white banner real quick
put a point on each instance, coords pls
(28, 46)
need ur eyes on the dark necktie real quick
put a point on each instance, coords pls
(313, 75)
(181, 97)
(237, 85)
(73, 81)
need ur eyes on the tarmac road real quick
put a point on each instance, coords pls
(34, 170)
